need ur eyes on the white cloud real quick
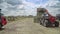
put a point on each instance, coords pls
(14, 2)
(22, 7)
(53, 7)
(9, 9)
(29, 8)
(26, 8)
(30, 4)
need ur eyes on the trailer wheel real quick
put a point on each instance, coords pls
(56, 24)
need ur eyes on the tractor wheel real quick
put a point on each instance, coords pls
(40, 22)
(56, 24)
(1, 26)
(45, 23)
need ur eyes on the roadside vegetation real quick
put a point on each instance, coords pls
(15, 18)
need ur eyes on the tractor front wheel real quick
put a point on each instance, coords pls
(1, 26)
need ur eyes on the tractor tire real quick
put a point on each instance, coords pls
(1, 25)
(40, 22)
(56, 24)
(45, 23)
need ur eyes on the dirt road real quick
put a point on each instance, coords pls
(27, 26)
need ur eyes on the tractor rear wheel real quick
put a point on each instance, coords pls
(45, 23)
(40, 22)
(56, 24)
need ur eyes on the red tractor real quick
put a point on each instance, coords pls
(3, 20)
(46, 19)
